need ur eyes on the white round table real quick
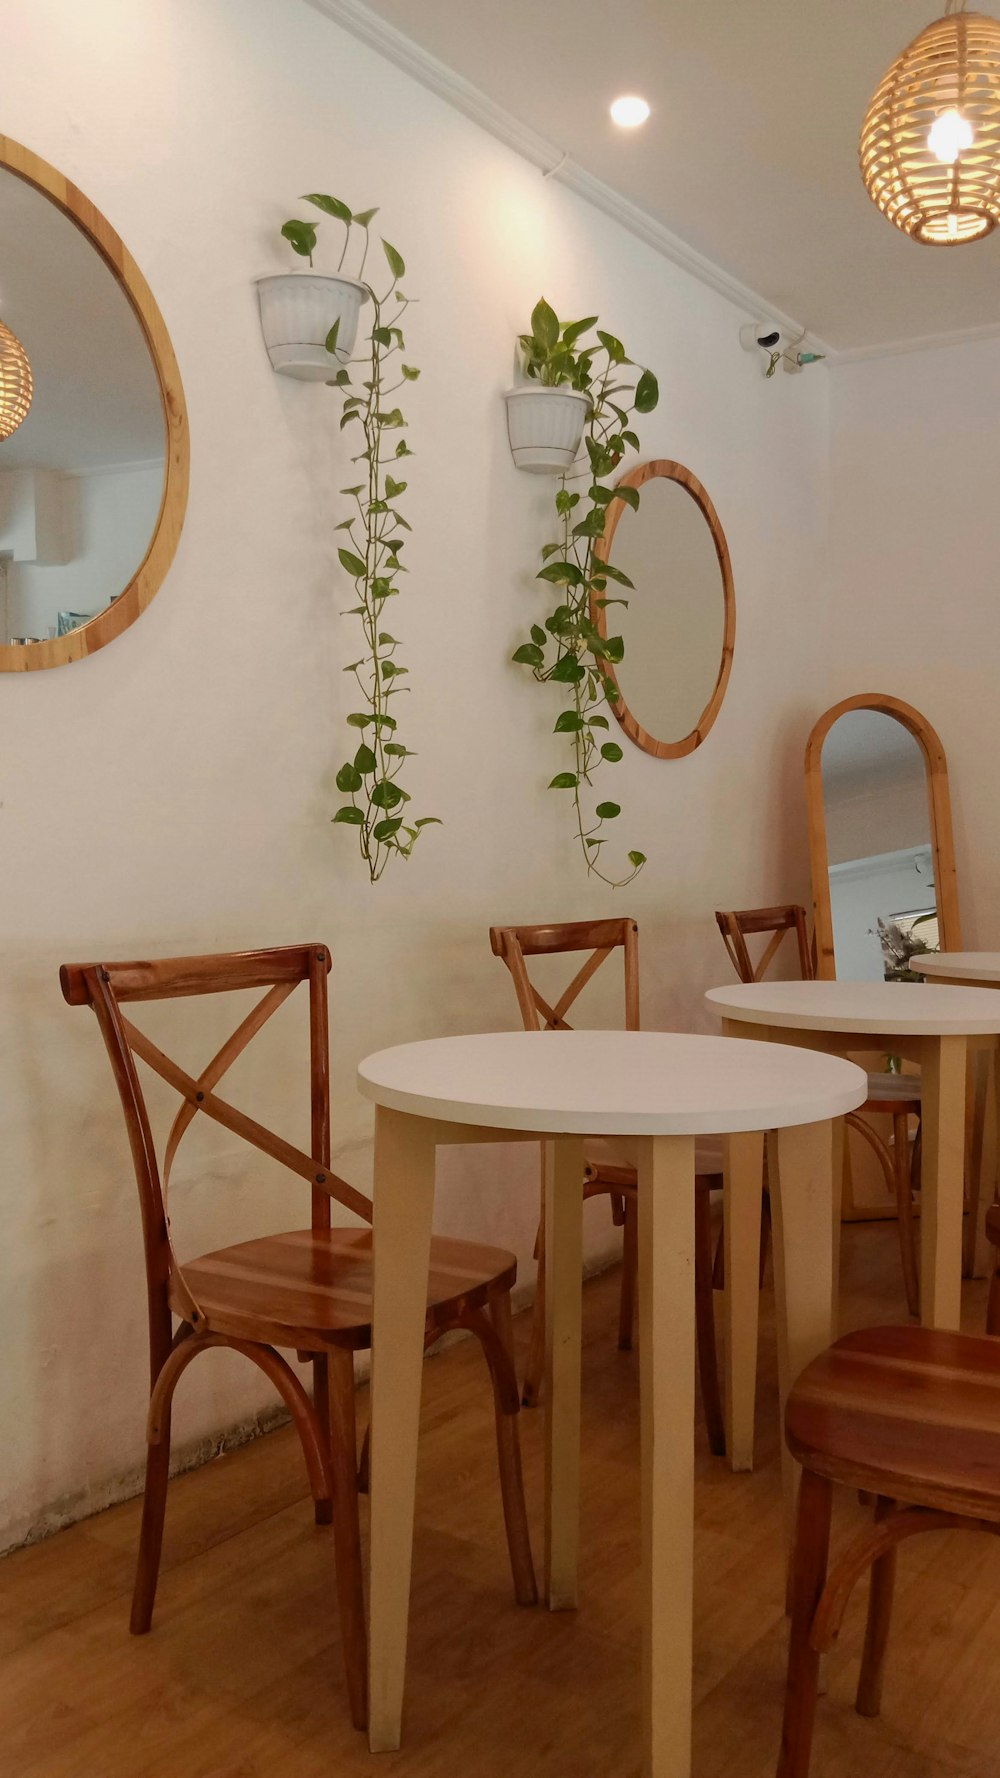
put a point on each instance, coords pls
(974, 969)
(930, 1024)
(971, 968)
(659, 1090)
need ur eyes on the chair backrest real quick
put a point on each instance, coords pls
(516, 943)
(107, 987)
(736, 927)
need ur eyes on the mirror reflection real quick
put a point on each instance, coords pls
(674, 628)
(881, 862)
(82, 473)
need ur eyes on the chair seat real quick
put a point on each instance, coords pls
(311, 1288)
(607, 1160)
(909, 1412)
(893, 1090)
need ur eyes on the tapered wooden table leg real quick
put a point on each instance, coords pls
(800, 1171)
(744, 1178)
(563, 1164)
(404, 1204)
(942, 1171)
(666, 1381)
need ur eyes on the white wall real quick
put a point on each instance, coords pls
(195, 811)
(914, 546)
(107, 520)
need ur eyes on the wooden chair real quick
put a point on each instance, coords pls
(607, 1174)
(910, 1415)
(308, 1290)
(895, 1095)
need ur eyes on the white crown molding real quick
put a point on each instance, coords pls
(927, 342)
(554, 163)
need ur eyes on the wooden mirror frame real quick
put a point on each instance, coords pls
(149, 576)
(939, 802)
(667, 470)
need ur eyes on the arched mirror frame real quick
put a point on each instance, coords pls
(635, 478)
(939, 802)
(150, 574)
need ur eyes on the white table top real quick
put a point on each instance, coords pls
(919, 1009)
(966, 966)
(613, 1083)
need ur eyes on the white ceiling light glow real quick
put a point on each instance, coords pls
(629, 111)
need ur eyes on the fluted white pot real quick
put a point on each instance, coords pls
(545, 426)
(297, 311)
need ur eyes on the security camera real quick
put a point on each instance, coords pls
(766, 336)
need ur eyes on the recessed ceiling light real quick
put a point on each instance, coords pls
(629, 111)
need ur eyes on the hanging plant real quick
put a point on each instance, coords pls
(377, 809)
(567, 649)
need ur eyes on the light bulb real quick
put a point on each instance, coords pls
(950, 133)
(629, 111)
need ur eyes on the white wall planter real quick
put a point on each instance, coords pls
(545, 427)
(297, 311)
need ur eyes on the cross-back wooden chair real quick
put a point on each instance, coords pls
(607, 1174)
(894, 1095)
(308, 1290)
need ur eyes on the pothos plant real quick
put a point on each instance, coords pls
(377, 807)
(567, 648)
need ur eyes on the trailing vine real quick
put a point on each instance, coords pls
(567, 648)
(377, 806)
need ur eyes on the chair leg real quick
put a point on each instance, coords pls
(765, 1235)
(993, 1306)
(903, 1173)
(883, 1580)
(323, 1509)
(347, 1530)
(535, 1366)
(154, 1506)
(812, 1548)
(365, 1461)
(515, 1512)
(704, 1302)
(630, 1272)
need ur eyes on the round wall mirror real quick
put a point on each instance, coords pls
(679, 625)
(93, 428)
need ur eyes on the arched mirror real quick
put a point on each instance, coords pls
(679, 625)
(93, 429)
(882, 855)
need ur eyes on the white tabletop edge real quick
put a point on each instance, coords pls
(861, 1008)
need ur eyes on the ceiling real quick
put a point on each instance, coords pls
(96, 397)
(867, 750)
(750, 154)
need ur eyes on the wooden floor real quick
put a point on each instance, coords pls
(241, 1677)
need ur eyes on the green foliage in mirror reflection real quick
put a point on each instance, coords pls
(566, 648)
(377, 809)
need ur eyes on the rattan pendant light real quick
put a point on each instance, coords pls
(16, 383)
(930, 144)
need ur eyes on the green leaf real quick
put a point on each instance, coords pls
(608, 811)
(573, 329)
(301, 236)
(562, 621)
(397, 264)
(591, 526)
(614, 348)
(647, 393)
(382, 335)
(387, 641)
(614, 649)
(354, 565)
(565, 501)
(384, 830)
(359, 489)
(606, 570)
(392, 417)
(561, 574)
(637, 858)
(350, 816)
(568, 671)
(403, 449)
(365, 761)
(384, 721)
(364, 216)
(631, 439)
(397, 750)
(331, 206)
(345, 420)
(611, 751)
(544, 325)
(569, 722)
(538, 635)
(360, 719)
(386, 795)
(629, 495)
(528, 655)
(598, 722)
(550, 549)
(331, 338)
(564, 781)
(411, 373)
(348, 778)
(394, 488)
(429, 821)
